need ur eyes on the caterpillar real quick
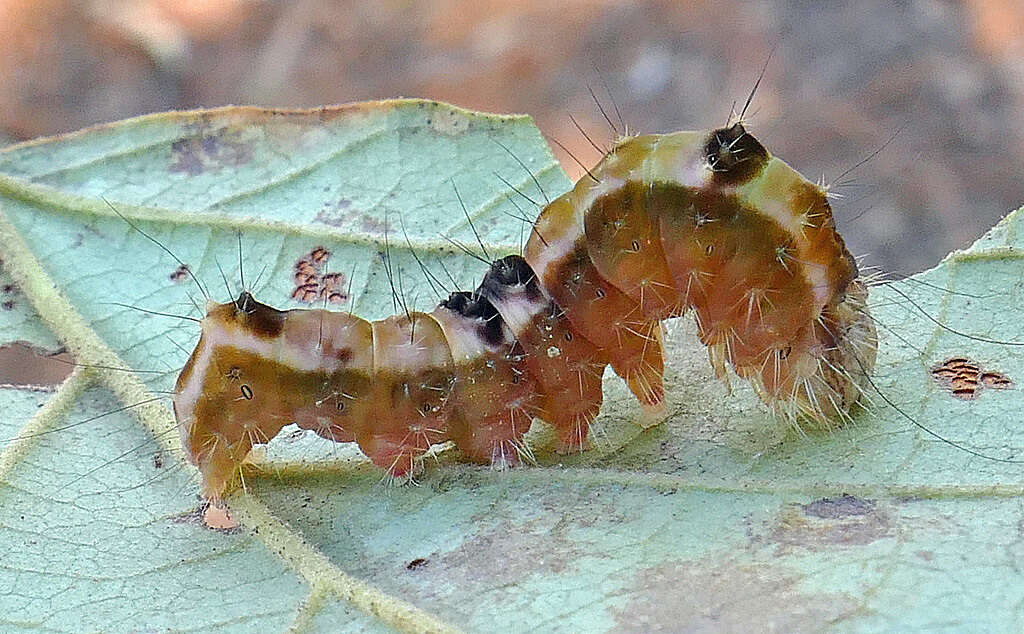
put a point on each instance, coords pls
(708, 222)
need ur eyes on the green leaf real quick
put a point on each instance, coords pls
(720, 518)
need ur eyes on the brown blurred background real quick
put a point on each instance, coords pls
(844, 77)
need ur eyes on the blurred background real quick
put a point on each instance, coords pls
(844, 77)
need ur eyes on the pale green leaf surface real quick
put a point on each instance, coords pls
(714, 520)
(18, 322)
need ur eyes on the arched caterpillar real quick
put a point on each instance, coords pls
(703, 221)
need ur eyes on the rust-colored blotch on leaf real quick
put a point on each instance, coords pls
(966, 379)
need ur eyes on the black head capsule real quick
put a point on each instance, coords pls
(489, 325)
(734, 155)
(510, 274)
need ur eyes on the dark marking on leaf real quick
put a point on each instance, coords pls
(341, 213)
(180, 274)
(835, 508)
(829, 523)
(312, 285)
(209, 151)
(306, 294)
(966, 379)
(416, 564)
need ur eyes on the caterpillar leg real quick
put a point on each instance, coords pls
(822, 387)
(571, 381)
(491, 411)
(496, 440)
(574, 432)
(612, 321)
(642, 363)
(218, 464)
(414, 379)
(397, 443)
(653, 415)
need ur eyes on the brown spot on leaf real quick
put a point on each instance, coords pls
(830, 522)
(332, 287)
(712, 596)
(510, 551)
(307, 293)
(836, 508)
(966, 379)
(209, 151)
(319, 256)
(312, 284)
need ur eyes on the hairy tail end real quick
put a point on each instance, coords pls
(832, 377)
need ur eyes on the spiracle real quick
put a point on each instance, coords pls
(704, 222)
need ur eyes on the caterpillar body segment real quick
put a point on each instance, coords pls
(665, 224)
(493, 398)
(714, 223)
(566, 366)
(394, 386)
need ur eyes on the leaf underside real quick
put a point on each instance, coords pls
(722, 518)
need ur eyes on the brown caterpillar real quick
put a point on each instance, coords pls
(708, 221)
